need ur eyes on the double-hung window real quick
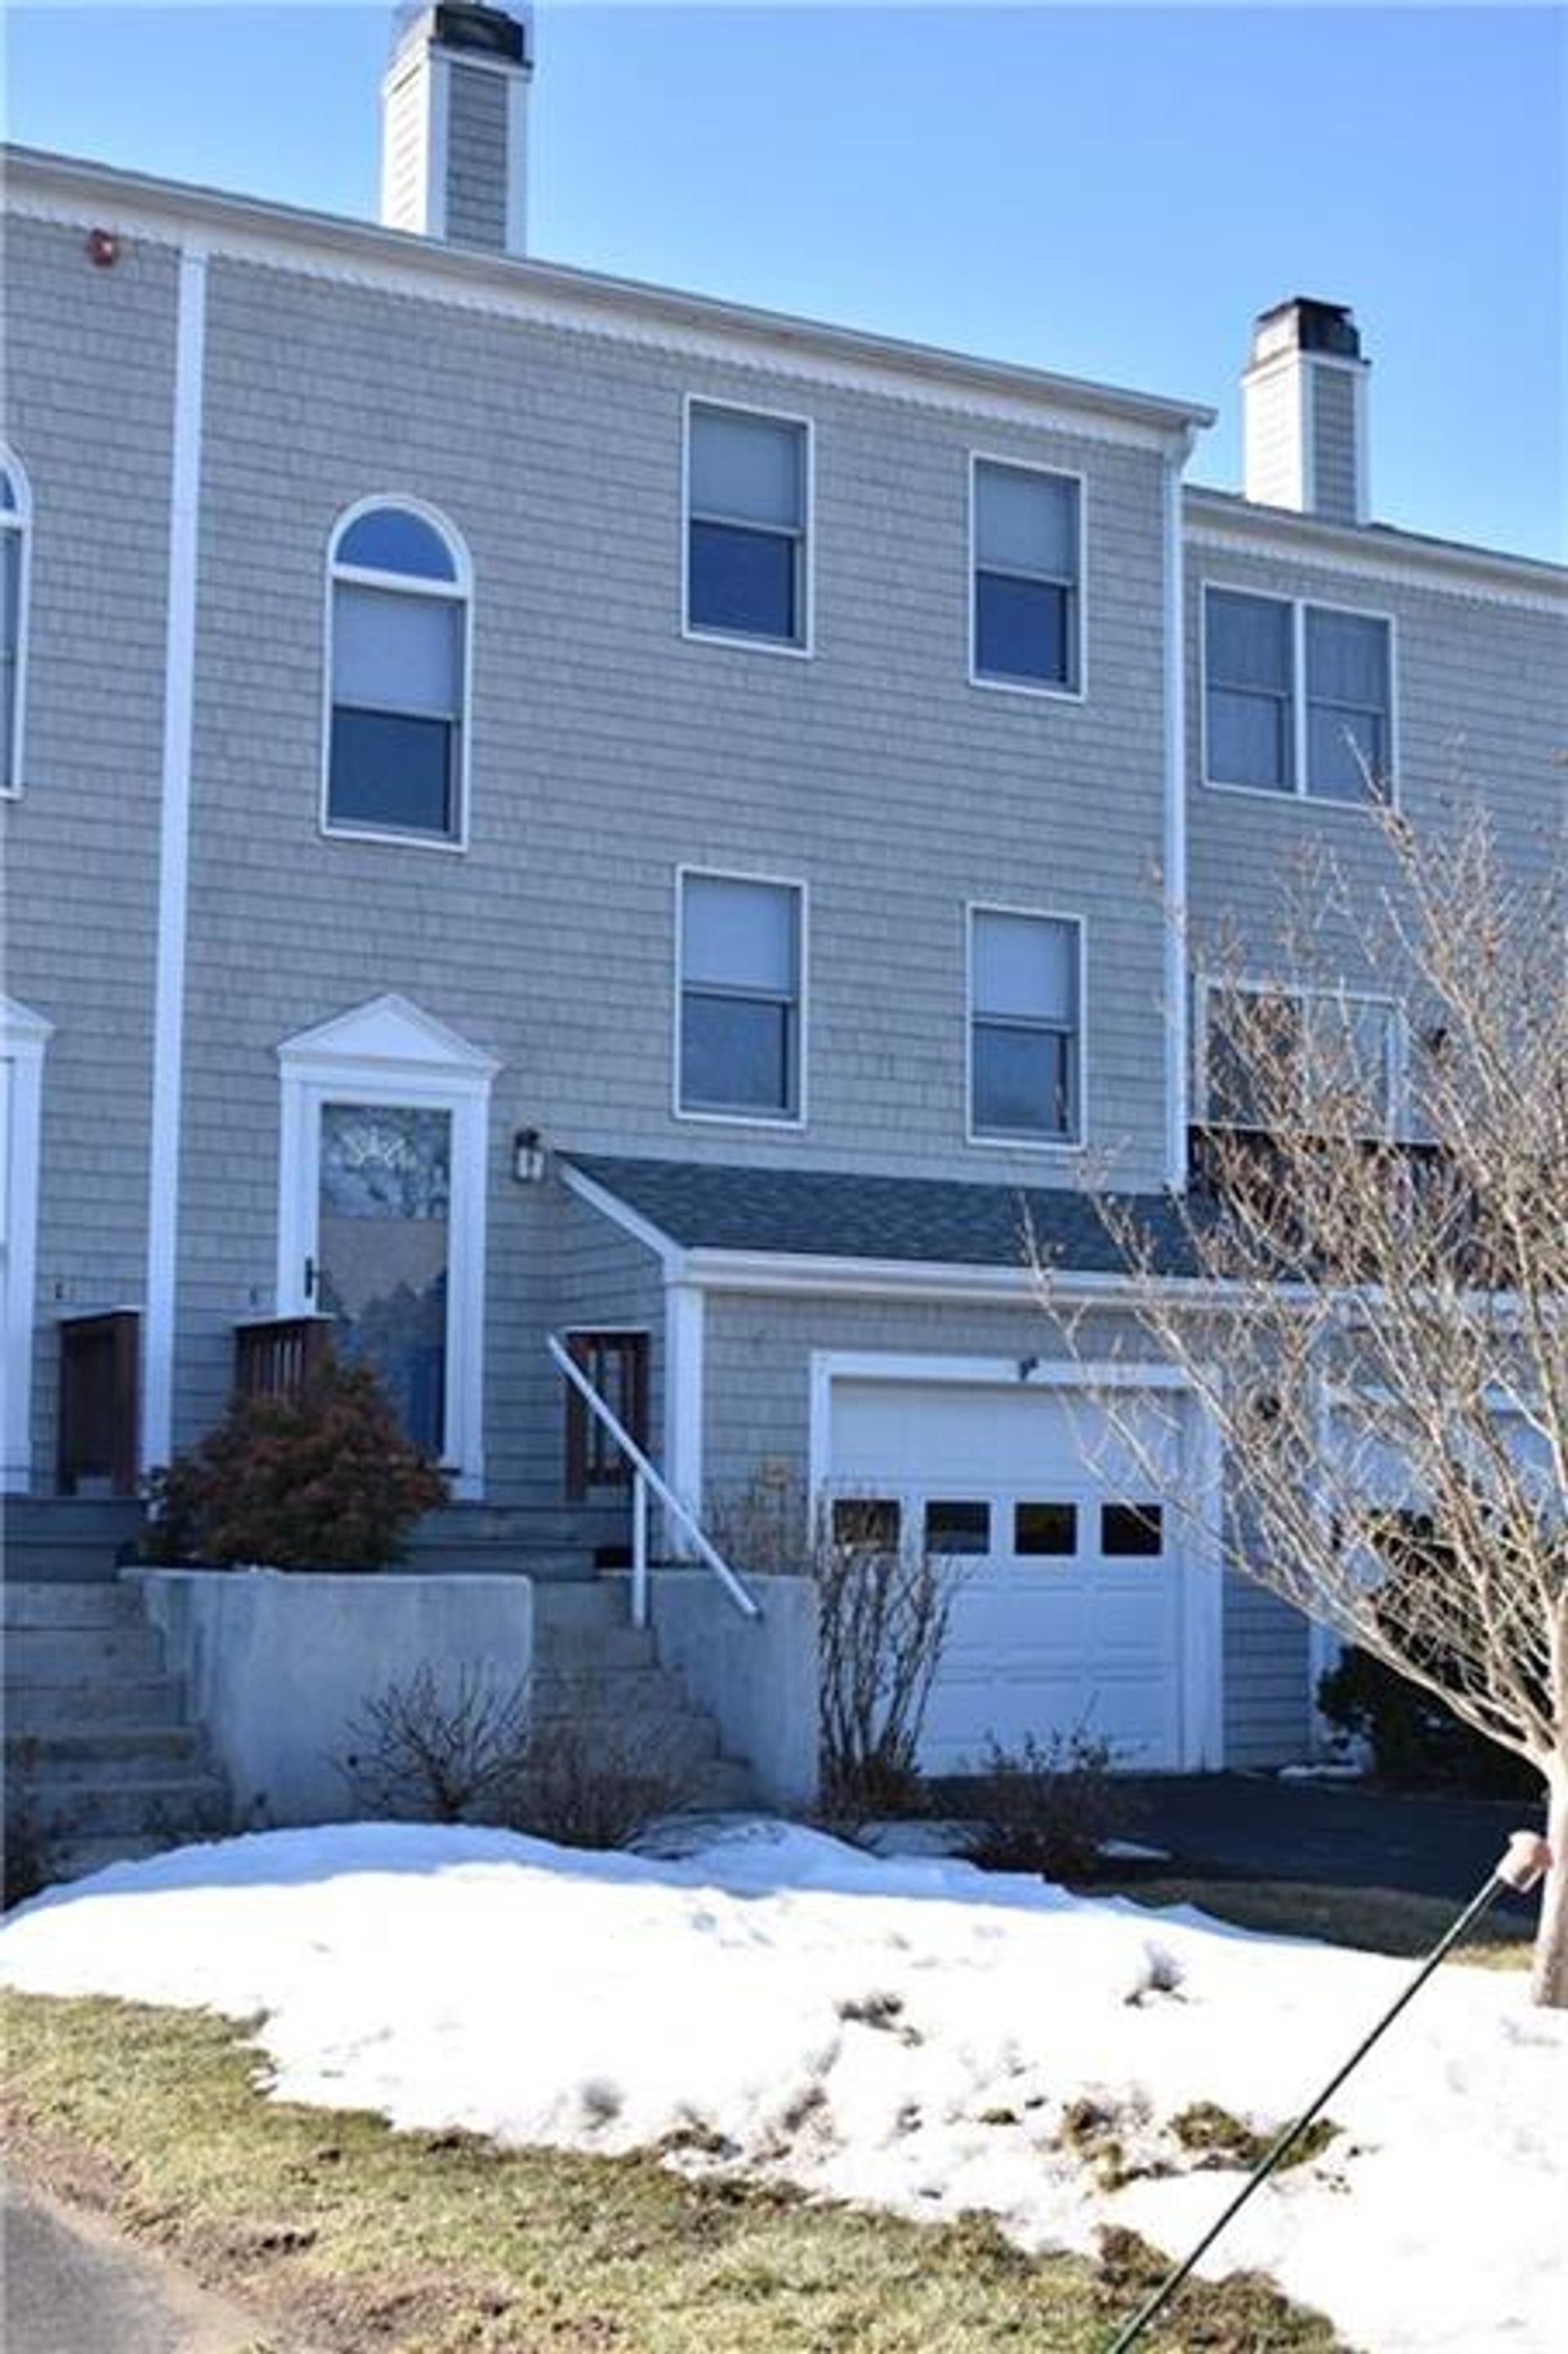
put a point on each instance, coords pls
(1298, 698)
(1347, 704)
(740, 955)
(14, 521)
(1027, 533)
(1322, 1057)
(396, 746)
(746, 552)
(1025, 1028)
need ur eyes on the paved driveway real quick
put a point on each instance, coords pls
(1257, 1826)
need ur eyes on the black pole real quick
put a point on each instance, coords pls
(1518, 1869)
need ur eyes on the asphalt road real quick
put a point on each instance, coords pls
(71, 2288)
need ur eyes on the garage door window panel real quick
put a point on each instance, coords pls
(958, 1525)
(1044, 1529)
(867, 1523)
(1132, 1532)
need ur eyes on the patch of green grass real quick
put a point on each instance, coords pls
(1376, 1920)
(1230, 2141)
(348, 2238)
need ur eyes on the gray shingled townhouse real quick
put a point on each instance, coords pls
(541, 808)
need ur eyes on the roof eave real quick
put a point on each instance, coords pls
(214, 209)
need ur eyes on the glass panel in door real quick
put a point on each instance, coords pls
(382, 1251)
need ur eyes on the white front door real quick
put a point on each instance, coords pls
(1073, 1579)
(382, 1213)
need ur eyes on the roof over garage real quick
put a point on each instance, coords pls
(840, 1215)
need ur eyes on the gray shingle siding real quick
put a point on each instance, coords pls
(1480, 707)
(88, 409)
(476, 156)
(1334, 475)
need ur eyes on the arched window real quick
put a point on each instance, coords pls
(15, 514)
(398, 665)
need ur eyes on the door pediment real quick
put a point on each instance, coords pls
(386, 1034)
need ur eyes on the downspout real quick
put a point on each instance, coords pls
(1178, 1065)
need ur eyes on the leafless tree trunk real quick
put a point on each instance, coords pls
(1379, 1327)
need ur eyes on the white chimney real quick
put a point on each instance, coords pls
(454, 126)
(1304, 412)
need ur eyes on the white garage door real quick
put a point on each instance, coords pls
(1069, 1603)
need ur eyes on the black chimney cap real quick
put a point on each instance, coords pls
(465, 24)
(1319, 326)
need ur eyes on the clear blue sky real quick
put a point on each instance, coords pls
(1111, 191)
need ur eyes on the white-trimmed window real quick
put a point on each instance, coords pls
(1298, 698)
(398, 671)
(1027, 533)
(738, 1048)
(1025, 1027)
(1336, 1055)
(16, 518)
(747, 496)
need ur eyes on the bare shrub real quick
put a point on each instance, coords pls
(1044, 1806)
(26, 1860)
(884, 1612)
(442, 1751)
(468, 1750)
(584, 1780)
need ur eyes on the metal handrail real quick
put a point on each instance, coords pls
(644, 1477)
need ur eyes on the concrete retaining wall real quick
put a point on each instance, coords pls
(757, 1678)
(279, 1665)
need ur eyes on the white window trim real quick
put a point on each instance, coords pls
(1212, 985)
(24, 1037)
(1299, 795)
(773, 1120)
(19, 520)
(389, 1052)
(988, 1140)
(798, 649)
(1037, 688)
(459, 591)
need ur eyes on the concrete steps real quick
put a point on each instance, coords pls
(99, 1755)
(70, 1540)
(592, 1669)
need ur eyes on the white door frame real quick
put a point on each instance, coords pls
(390, 1052)
(24, 1035)
(1202, 1587)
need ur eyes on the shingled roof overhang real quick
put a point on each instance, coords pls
(811, 1228)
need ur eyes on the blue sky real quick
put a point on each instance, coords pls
(1112, 191)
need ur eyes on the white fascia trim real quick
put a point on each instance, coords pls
(1215, 521)
(670, 1255)
(174, 859)
(362, 253)
(24, 1037)
(685, 1338)
(849, 1279)
(1177, 1043)
(18, 521)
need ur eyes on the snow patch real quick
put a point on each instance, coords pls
(906, 2032)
